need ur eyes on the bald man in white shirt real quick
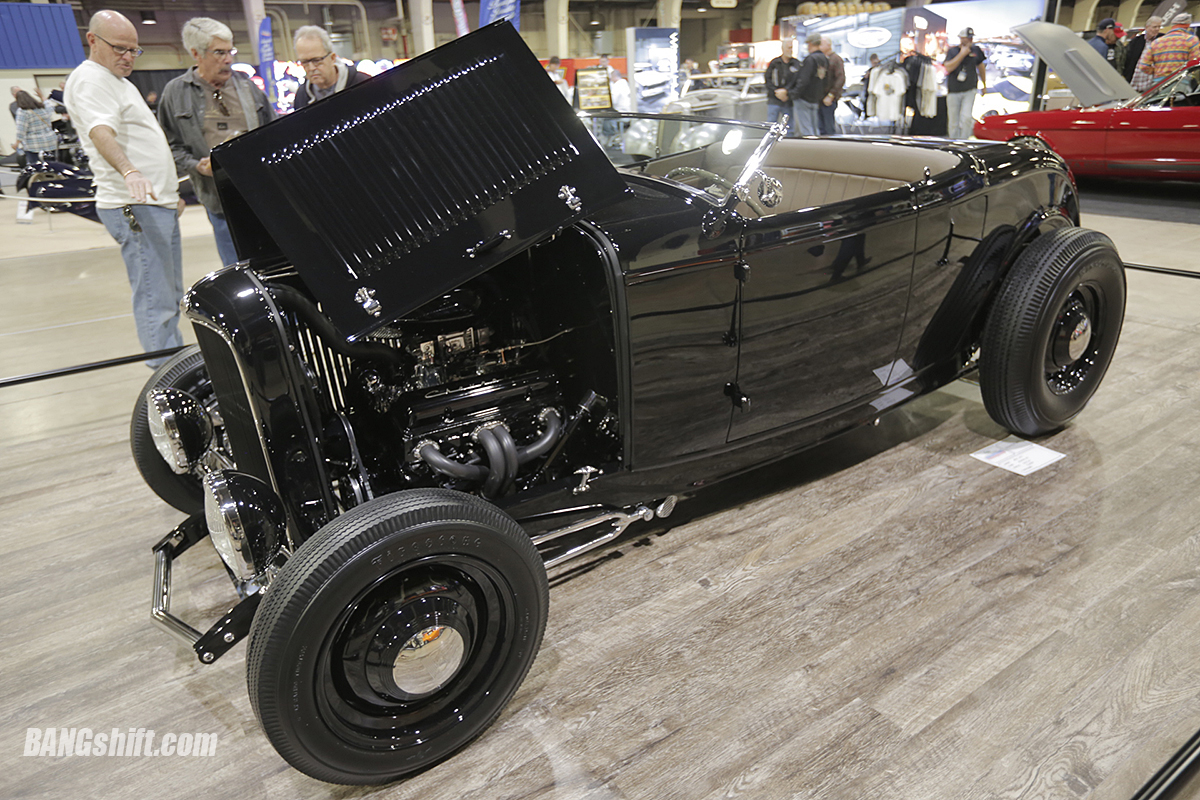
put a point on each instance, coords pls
(137, 196)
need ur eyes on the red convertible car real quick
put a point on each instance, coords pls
(1117, 132)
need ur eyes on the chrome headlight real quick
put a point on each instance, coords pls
(181, 428)
(245, 521)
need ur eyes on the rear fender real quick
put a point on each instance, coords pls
(958, 322)
(1043, 220)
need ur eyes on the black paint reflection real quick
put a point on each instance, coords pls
(822, 312)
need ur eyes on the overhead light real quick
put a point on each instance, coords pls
(148, 18)
(701, 10)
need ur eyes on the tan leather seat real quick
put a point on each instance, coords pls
(805, 188)
(815, 172)
(880, 159)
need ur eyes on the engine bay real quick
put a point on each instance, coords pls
(503, 383)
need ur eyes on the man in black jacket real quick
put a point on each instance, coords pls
(810, 87)
(324, 70)
(827, 113)
(1134, 54)
(780, 74)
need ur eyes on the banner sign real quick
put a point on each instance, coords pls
(266, 59)
(460, 18)
(868, 38)
(652, 55)
(492, 10)
(1167, 9)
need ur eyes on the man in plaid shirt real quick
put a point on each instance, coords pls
(1139, 80)
(35, 133)
(1172, 50)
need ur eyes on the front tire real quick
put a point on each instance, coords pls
(396, 635)
(184, 371)
(1052, 331)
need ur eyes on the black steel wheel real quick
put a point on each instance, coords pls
(396, 635)
(1052, 331)
(184, 371)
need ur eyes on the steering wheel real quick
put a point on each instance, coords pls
(696, 172)
(679, 173)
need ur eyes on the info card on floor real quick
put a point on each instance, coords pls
(1017, 455)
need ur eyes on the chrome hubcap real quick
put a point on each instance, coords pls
(1072, 335)
(1074, 340)
(1079, 340)
(428, 660)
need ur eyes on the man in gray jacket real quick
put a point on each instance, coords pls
(205, 106)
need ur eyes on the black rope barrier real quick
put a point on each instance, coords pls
(116, 362)
(112, 362)
(1179, 273)
(1173, 774)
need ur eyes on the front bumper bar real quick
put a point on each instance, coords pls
(225, 632)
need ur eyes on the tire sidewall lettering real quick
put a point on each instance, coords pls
(394, 550)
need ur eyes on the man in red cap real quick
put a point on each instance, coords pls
(1107, 42)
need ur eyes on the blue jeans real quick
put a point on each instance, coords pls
(773, 112)
(826, 118)
(154, 262)
(806, 117)
(959, 119)
(225, 248)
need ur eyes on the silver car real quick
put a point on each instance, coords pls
(736, 94)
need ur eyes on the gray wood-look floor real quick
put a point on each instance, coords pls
(884, 617)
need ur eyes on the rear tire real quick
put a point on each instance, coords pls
(1052, 330)
(396, 635)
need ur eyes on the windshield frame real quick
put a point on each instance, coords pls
(1165, 89)
(741, 188)
(737, 189)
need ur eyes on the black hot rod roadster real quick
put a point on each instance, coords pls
(463, 345)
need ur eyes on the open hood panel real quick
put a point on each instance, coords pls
(390, 193)
(1085, 71)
